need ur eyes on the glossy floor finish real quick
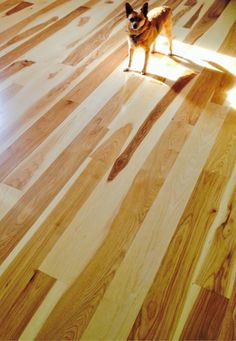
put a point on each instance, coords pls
(117, 191)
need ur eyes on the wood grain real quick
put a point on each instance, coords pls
(18, 51)
(208, 19)
(28, 33)
(33, 253)
(150, 254)
(206, 317)
(219, 265)
(16, 28)
(124, 158)
(228, 326)
(157, 318)
(7, 4)
(25, 305)
(9, 92)
(14, 68)
(194, 17)
(22, 5)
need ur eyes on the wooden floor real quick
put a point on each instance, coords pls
(117, 191)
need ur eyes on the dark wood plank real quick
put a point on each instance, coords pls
(22, 5)
(8, 4)
(206, 317)
(228, 326)
(193, 18)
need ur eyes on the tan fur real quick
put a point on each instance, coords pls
(149, 26)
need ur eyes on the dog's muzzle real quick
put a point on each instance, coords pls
(135, 26)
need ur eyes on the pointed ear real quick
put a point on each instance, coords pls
(144, 9)
(128, 9)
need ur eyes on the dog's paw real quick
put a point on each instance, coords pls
(143, 72)
(126, 69)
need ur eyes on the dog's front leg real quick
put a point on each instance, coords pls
(131, 52)
(147, 51)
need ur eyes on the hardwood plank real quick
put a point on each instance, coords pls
(173, 3)
(18, 151)
(84, 49)
(133, 210)
(205, 319)
(50, 120)
(43, 311)
(228, 79)
(106, 199)
(8, 197)
(99, 37)
(207, 77)
(228, 45)
(208, 19)
(47, 186)
(183, 254)
(228, 326)
(9, 92)
(217, 271)
(16, 28)
(25, 305)
(27, 33)
(138, 269)
(36, 250)
(102, 71)
(14, 68)
(193, 18)
(7, 4)
(125, 157)
(19, 7)
(18, 51)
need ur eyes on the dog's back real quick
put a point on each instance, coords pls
(160, 17)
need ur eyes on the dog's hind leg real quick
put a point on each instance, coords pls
(168, 31)
(154, 47)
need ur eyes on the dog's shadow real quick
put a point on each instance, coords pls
(188, 64)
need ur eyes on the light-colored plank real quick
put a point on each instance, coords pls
(8, 198)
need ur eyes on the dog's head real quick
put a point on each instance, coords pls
(136, 19)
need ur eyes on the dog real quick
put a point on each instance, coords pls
(143, 28)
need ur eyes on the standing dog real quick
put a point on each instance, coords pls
(143, 29)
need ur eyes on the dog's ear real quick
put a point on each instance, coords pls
(144, 9)
(128, 8)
